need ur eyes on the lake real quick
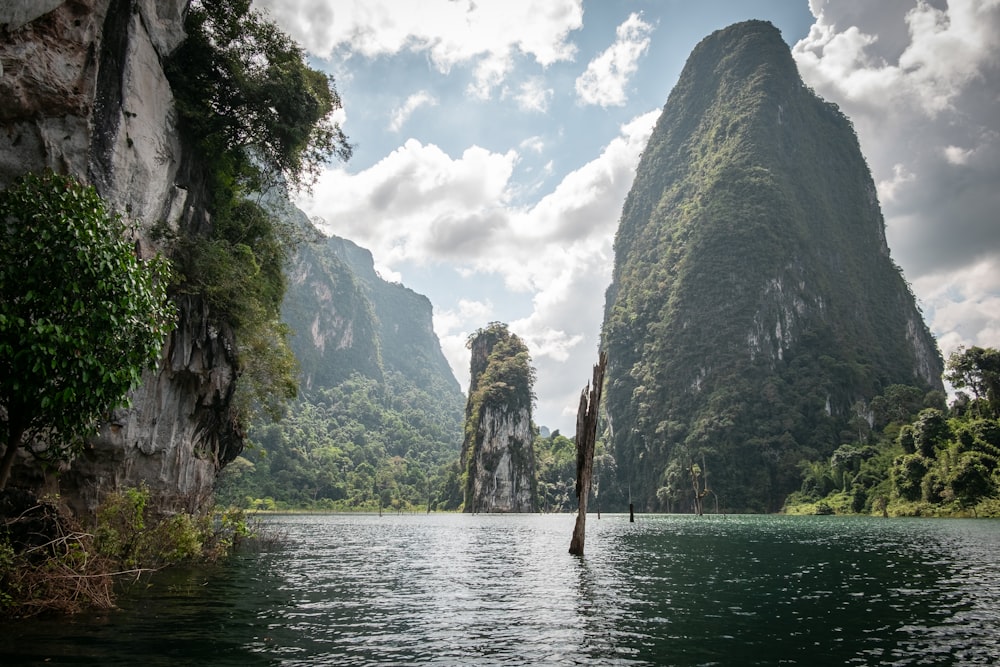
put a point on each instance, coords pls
(450, 589)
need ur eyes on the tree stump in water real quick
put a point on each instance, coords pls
(586, 440)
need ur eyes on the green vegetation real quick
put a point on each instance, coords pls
(919, 458)
(753, 302)
(555, 466)
(978, 370)
(81, 316)
(49, 562)
(247, 98)
(258, 118)
(359, 445)
(378, 424)
(502, 375)
(501, 382)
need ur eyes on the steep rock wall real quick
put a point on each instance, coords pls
(326, 305)
(501, 473)
(497, 452)
(84, 92)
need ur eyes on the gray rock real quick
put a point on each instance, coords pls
(84, 92)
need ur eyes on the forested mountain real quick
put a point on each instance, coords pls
(379, 415)
(754, 310)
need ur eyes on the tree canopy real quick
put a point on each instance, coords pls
(81, 315)
(978, 370)
(258, 118)
(926, 459)
(246, 94)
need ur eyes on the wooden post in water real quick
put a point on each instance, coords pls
(631, 507)
(586, 441)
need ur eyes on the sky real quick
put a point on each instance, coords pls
(495, 142)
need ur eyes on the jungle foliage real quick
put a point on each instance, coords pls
(81, 316)
(919, 458)
(260, 115)
(555, 466)
(753, 300)
(259, 120)
(501, 370)
(359, 445)
(378, 422)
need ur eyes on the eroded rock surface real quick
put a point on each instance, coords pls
(83, 91)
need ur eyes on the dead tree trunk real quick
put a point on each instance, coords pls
(586, 440)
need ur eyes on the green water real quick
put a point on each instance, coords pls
(502, 590)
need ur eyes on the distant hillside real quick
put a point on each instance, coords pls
(754, 310)
(379, 417)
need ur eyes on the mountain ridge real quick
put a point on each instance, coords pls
(378, 421)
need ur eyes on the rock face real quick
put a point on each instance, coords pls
(754, 309)
(379, 414)
(83, 92)
(497, 452)
(346, 319)
(335, 325)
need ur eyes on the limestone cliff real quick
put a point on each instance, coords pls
(497, 451)
(379, 412)
(334, 323)
(754, 311)
(83, 91)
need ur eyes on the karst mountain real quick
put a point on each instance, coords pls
(755, 309)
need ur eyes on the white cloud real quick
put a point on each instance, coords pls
(453, 328)
(417, 203)
(412, 103)
(421, 205)
(450, 32)
(921, 85)
(888, 188)
(560, 250)
(603, 83)
(958, 155)
(945, 53)
(534, 144)
(534, 95)
(963, 305)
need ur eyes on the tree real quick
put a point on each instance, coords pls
(245, 92)
(81, 315)
(977, 369)
(969, 479)
(845, 463)
(898, 403)
(907, 475)
(930, 432)
(906, 439)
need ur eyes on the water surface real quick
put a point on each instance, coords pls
(503, 590)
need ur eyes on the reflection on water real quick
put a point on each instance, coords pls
(495, 589)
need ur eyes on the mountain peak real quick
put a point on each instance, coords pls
(754, 308)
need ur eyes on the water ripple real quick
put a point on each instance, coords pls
(503, 590)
